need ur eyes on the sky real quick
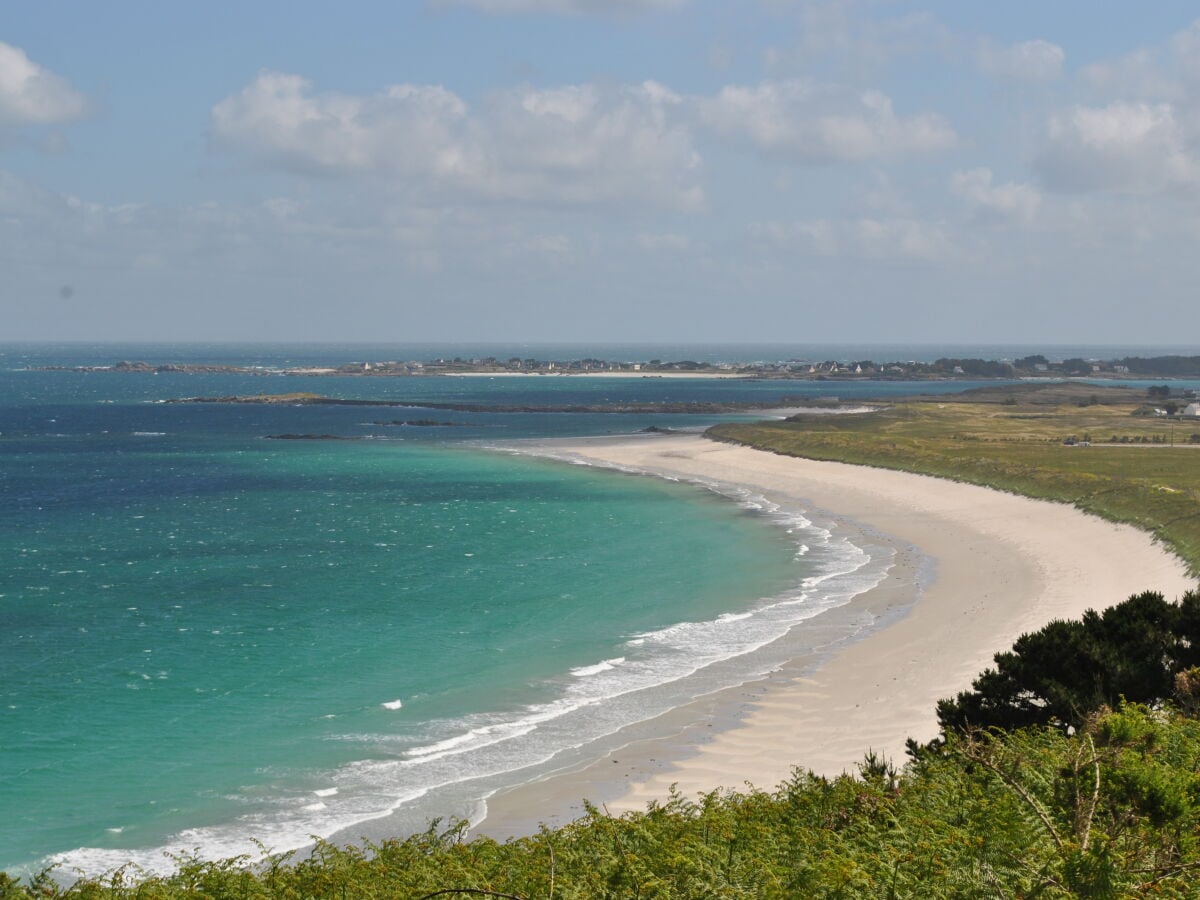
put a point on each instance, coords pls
(600, 170)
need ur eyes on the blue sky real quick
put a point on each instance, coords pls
(617, 170)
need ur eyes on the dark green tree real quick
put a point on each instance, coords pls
(1076, 366)
(1066, 670)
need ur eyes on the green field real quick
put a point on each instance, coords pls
(1137, 469)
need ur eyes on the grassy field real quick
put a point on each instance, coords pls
(1137, 469)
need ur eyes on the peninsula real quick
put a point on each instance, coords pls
(1031, 366)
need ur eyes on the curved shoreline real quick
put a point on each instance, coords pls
(1005, 565)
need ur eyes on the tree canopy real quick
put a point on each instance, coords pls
(1062, 672)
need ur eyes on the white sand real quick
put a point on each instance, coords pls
(1004, 565)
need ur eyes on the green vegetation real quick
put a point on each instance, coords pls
(1144, 471)
(1144, 650)
(1173, 366)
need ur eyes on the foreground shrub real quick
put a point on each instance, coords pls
(1062, 672)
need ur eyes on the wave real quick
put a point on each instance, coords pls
(604, 666)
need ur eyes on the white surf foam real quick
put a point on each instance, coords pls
(604, 666)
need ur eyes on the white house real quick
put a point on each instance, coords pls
(1192, 409)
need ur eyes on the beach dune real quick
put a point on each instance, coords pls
(998, 564)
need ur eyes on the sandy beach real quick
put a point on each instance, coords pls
(998, 565)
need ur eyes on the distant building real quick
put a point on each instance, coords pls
(1192, 409)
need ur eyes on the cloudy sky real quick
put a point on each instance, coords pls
(619, 170)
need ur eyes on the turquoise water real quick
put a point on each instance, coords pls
(208, 636)
(176, 659)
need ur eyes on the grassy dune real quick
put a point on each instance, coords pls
(1012, 439)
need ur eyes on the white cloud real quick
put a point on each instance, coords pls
(809, 123)
(43, 232)
(810, 236)
(1169, 71)
(1185, 51)
(1140, 134)
(583, 144)
(404, 129)
(908, 238)
(1035, 60)
(868, 238)
(663, 242)
(1136, 75)
(33, 95)
(1130, 147)
(551, 244)
(883, 196)
(996, 202)
(572, 7)
(579, 144)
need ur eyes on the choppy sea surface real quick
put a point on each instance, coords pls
(207, 637)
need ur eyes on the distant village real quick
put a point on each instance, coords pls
(1025, 367)
(791, 368)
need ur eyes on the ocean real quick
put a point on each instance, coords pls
(207, 637)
